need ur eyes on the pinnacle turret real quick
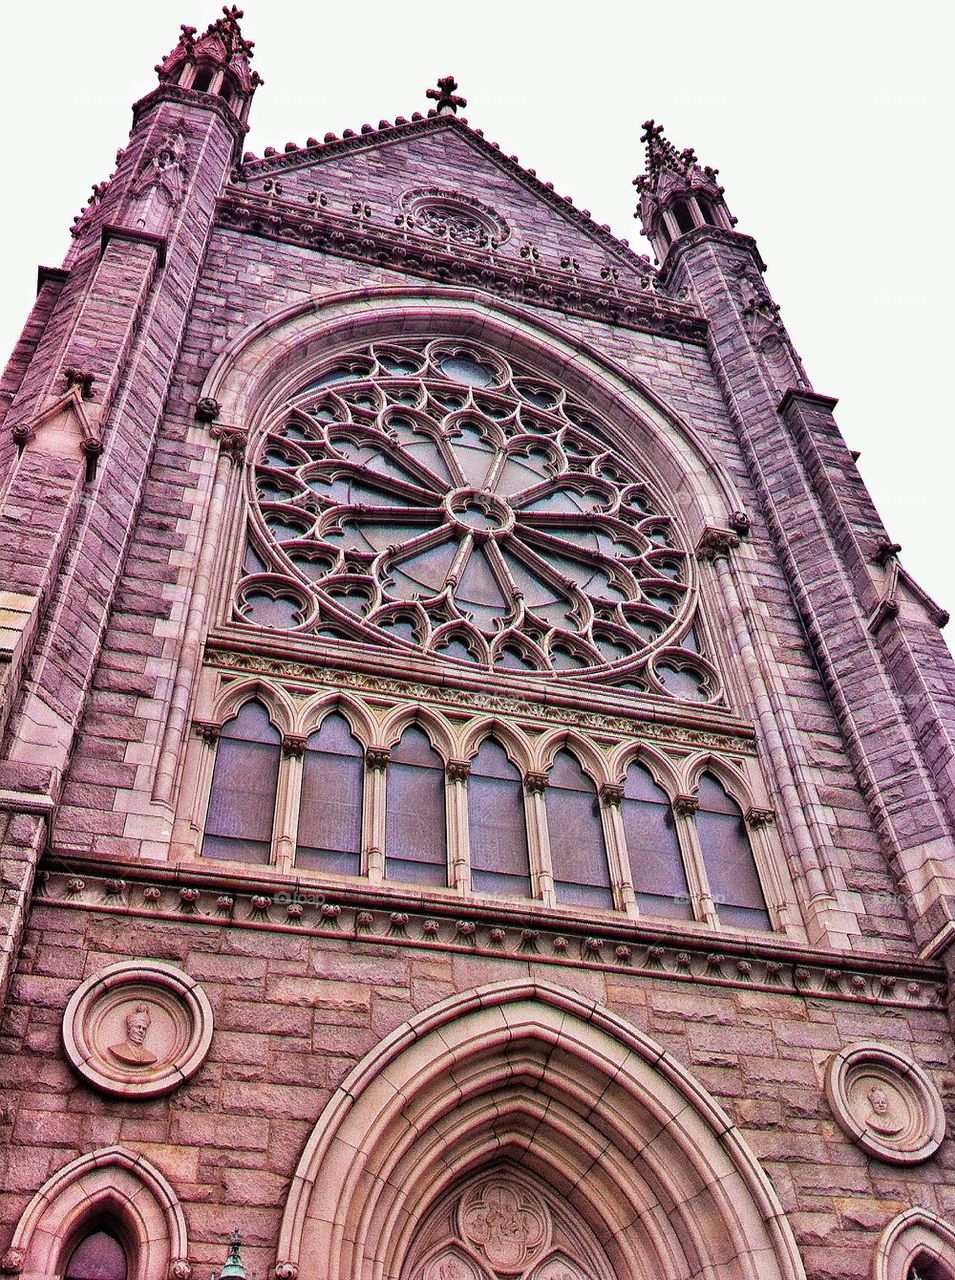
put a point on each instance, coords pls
(215, 62)
(677, 193)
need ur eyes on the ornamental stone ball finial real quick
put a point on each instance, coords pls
(445, 98)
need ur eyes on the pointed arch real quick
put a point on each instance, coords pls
(113, 1182)
(317, 709)
(916, 1236)
(432, 723)
(530, 1072)
(233, 697)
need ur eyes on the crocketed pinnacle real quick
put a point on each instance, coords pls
(221, 44)
(662, 155)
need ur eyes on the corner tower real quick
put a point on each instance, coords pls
(874, 633)
(81, 404)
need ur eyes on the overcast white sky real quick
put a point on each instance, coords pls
(831, 125)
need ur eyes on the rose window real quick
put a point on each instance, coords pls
(460, 220)
(435, 497)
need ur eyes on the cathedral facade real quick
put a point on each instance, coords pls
(476, 785)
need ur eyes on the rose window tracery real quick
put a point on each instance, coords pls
(459, 220)
(435, 496)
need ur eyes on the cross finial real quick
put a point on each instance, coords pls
(445, 98)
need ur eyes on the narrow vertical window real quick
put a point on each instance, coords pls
(684, 219)
(656, 865)
(98, 1256)
(575, 834)
(416, 845)
(728, 857)
(242, 804)
(497, 825)
(329, 823)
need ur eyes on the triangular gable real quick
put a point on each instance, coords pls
(442, 154)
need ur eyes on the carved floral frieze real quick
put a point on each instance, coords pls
(373, 915)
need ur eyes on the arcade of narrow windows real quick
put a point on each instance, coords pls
(563, 835)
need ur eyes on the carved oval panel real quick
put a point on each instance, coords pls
(138, 1028)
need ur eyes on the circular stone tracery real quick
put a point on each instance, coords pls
(442, 497)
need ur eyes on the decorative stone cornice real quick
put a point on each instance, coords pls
(682, 727)
(134, 235)
(533, 284)
(700, 235)
(193, 98)
(378, 915)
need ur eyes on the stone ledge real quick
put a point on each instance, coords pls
(205, 894)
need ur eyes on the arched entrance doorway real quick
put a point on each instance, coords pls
(519, 1127)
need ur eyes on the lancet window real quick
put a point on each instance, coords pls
(485, 824)
(98, 1256)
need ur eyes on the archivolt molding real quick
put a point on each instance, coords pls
(916, 1235)
(534, 1073)
(114, 1180)
(262, 368)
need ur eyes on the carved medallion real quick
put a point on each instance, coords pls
(505, 1222)
(885, 1103)
(138, 1028)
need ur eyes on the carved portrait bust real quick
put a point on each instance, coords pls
(138, 1028)
(885, 1103)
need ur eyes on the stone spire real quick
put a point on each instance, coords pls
(677, 193)
(216, 62)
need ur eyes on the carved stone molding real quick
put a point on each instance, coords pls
(756, 817)
(736, 738)
(611, 794)
(207, 731)
(885, 1102)
(644, 310)
(232, 441)
(535, 783)
(207, 409)
(293, 745)
(714, 543)
(138, 1028)
(684, 806)
(377, 757)
(377, 915)
(458, 770)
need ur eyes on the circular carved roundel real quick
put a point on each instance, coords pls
(138, 1028)
(455, 218)
(885, 1103)
(438, 496)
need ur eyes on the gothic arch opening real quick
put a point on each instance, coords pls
(518, 1110)
(916, 1245)
(109, 1210)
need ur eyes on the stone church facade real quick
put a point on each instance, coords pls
(476, 780)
